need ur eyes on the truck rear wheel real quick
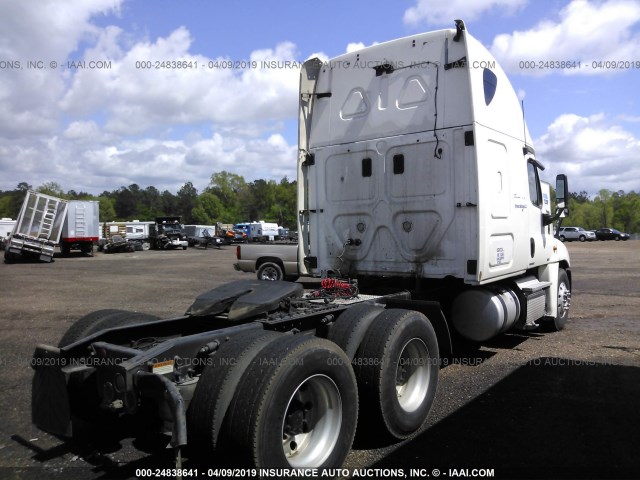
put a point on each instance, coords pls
(100, 320)
(296, 406)
(216, 386)
(87, 247)
(397, 370)
(352, 325)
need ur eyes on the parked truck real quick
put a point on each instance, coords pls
(270, 261)
(38, 228)
(81, 227)
(167, 233)
(418, 179)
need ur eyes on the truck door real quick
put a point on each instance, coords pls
(538, 238)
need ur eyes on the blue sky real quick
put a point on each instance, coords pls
(94, 129)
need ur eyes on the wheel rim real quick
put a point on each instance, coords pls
(564, 299)
(312, 422)
(412, 375)
(270, 273)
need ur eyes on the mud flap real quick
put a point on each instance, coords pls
(50, 410)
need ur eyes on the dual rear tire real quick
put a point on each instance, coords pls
(395, 359)
(272, 400)
(287, 401)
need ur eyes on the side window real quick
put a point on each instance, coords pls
(534, 185)
(490, 82)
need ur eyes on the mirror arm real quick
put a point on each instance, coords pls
(548, 219)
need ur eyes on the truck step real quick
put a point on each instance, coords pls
(531, 284)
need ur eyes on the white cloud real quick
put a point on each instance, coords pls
(354, 46)
(46, 32)
(444, 12)
(83, 131)
(585, 31)
(86, 159)
(595, 153)
(136, 97)
(52, 29)
(97, 129)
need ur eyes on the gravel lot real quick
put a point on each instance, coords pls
(536, 405)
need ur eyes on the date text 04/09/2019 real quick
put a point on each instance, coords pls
(579, 65)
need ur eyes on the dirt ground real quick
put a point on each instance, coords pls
(535, 405)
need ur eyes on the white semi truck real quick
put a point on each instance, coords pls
(422, 167)
(416, 177)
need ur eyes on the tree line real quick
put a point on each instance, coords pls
(608, 209)
(228, 199)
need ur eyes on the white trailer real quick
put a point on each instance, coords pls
(81, 228)
(263, 231)
(38, 228)
(6, 227)
(134, 231)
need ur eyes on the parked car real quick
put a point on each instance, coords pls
(575, 233)
(611, 234)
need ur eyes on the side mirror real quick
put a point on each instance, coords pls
(562, 194)
(562, 201)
